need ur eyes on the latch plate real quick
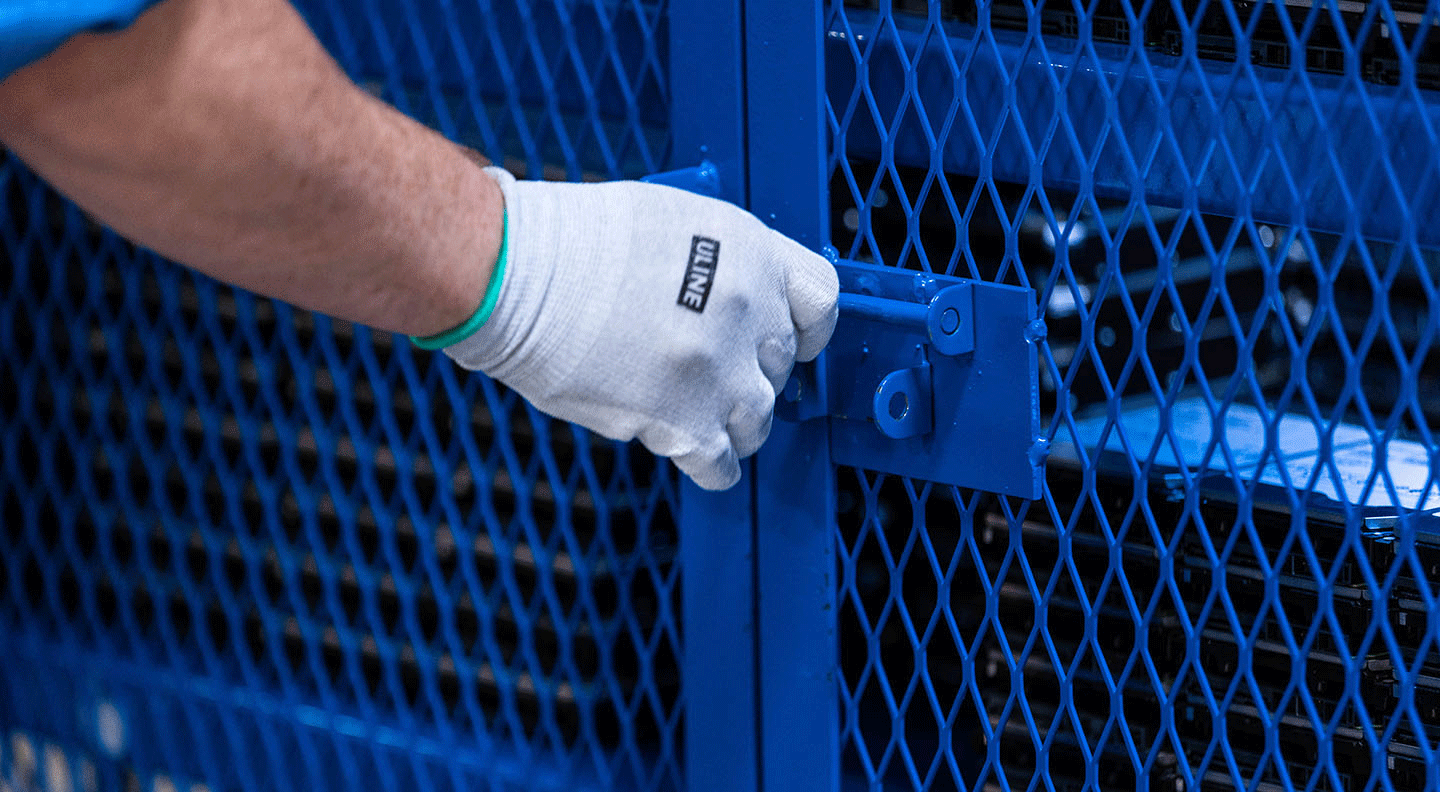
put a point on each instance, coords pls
(931, 377)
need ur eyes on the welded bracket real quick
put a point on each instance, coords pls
(931, 377)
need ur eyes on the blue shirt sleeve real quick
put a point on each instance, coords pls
(31, 29)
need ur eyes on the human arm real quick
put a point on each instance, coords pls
(223, 136)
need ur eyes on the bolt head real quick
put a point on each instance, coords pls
(949, 321)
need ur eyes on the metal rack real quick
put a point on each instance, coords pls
(244, 547)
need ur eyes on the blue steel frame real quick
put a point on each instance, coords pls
(1192, 133)
(135, 595)
(748, 95)
(795, 555)
(1189, 141)
(1332, 160)
(717, 529)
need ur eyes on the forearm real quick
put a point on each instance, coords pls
(222, 135)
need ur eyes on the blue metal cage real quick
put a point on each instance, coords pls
(249, 547)
(1225, 211)
(244, 547)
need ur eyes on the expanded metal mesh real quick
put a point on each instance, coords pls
(1226, 209)
(247, 547)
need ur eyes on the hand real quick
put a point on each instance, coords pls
(643, 311)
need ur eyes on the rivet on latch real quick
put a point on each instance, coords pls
(950, 320)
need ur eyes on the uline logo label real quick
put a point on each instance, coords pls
(699, 273)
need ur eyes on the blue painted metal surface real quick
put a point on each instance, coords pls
(569, 86)
(798, 725)
(718, 557)
(1176, 128)
(256, 549)
(923, 370)
(273, 551)
(718, 529)
(1225, 211)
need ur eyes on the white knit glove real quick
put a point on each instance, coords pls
(643, 311)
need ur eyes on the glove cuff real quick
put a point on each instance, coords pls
(543, 324)
(477, 320)
(495, 341)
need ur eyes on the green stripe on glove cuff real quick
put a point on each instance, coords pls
(467, 328)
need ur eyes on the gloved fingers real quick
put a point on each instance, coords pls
(813, 290)
(777, 358)
(714, 466)
(711, 462)
(749, 422)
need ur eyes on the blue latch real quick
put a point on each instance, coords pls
(931, 377)
(926, 376)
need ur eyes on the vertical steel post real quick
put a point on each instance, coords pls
(747, 91)
(794, 486)
(707, 91)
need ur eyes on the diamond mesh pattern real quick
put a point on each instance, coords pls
(1225, 209)
(247, 547)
